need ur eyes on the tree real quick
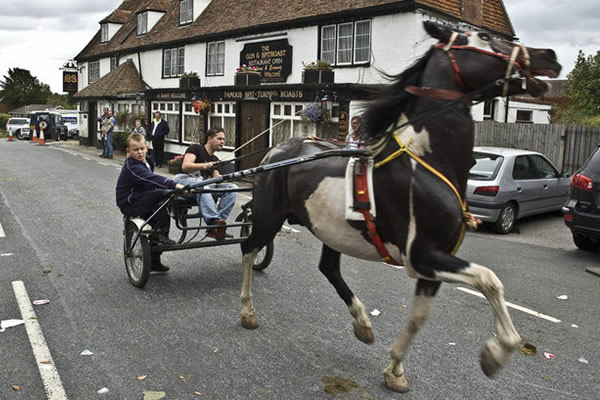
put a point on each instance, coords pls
(583, 92)
(20, 88)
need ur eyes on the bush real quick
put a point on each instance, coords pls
(120, 140)
(3, 120)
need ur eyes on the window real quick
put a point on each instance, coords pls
(169, 111)
(142, 23)
(223, 115)
(215, 58)
(524, 116)
(173, 62)
(114, 62)
(94, 72)
(489, 109)
(346, 44)
(186, 8)
(104, 33)
(328, 44)
(545, 169)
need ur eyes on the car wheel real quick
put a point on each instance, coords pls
(583, 242)
(506, 220)
(18, 134)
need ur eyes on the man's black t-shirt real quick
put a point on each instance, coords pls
(202, 156)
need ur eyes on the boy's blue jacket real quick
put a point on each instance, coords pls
(136, 179)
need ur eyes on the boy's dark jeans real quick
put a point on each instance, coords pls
(144, 207)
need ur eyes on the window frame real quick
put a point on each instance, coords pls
(524, 121)
(352, 51)
(114, 62)
(177, 62)
(103, 33)
(93, 66)
(189, 18)
(219, 61)
(142, 23)
(491, 115)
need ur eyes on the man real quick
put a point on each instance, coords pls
(108, 126)
(198, 165)
(158, 130)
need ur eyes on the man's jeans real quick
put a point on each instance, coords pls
(108, 144)
(207, 203)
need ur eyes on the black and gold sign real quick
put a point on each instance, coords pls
(70, 81)
(273, 60)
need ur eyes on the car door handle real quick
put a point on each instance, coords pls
(519, 190)
(545, 187)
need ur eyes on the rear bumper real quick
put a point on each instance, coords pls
(487, 212)
(585, 223)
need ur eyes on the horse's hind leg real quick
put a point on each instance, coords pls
(330, 267)
(419, 313)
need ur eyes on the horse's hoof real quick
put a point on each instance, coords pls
(364, 334)
(396, 383)
(249, 322)
(494, 357)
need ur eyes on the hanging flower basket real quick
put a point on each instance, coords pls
(189, 81)
(315, 113)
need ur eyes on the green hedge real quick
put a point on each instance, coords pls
(3, 120)
(120, 140)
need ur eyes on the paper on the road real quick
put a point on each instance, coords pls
(9, 323)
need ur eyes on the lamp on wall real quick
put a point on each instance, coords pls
(327, 99)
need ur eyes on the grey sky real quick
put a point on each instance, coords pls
(40, 35)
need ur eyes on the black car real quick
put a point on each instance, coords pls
(582, 211)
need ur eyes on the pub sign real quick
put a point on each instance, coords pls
(70, 81)
(272, 59)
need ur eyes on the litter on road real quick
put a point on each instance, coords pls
(563, 297)
(40, 302)
(9, 323)
(375, 312)
(86, 353)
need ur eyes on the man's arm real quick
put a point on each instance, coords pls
(189, 164)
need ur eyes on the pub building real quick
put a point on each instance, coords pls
(259, 69)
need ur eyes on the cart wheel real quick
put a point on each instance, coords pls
(264, 256)
(182, 220)
(137, 261)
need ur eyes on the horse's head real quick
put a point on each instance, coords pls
(478, 59)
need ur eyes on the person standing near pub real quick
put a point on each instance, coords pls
(157, 132)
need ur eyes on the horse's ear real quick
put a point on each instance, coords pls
(437, 31)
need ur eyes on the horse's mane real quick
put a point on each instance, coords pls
(386, 104)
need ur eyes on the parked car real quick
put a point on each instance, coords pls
(19, 127)
(507, 184)
(55, 127)
(582, 210)
(73, 133)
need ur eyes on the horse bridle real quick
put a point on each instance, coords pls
(511, 60)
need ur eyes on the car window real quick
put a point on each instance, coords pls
(17, 121)
(486, 166)
(594, 161)
(524, 169)
(544, 168)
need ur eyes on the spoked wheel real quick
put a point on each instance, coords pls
(264, 256)
(137, 260)
(181, 221)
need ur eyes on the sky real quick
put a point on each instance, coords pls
(41, 35)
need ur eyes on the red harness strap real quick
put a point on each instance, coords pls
(362, 204)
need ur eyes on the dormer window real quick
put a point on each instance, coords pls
(186, 12)
(103, 33)
(142, 23)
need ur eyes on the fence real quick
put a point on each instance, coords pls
(567, 146)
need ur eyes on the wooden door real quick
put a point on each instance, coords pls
(92, 124)
(253, 115)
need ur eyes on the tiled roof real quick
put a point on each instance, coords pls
(235, 17)
(120, 82)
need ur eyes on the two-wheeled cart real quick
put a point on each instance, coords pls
(141, 239)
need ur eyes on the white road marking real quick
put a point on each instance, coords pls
(393, 266)
(101, 163)
(515, 306)
(86, 158)
(2, 234)
(52, 383)
(6, 254)
(288, 228)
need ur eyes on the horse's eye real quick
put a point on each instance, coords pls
(484, 36)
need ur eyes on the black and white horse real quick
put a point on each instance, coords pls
(423, 164)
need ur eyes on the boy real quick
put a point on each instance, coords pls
(139, 190)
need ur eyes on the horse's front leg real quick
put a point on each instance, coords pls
(419, 313)
(330, 267)
(248, 314)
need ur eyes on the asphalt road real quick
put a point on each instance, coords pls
(63, 240)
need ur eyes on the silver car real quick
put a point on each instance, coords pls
(507, 184)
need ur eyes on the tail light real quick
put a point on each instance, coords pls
(582, 182)
(568, 217)
(487, 190)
